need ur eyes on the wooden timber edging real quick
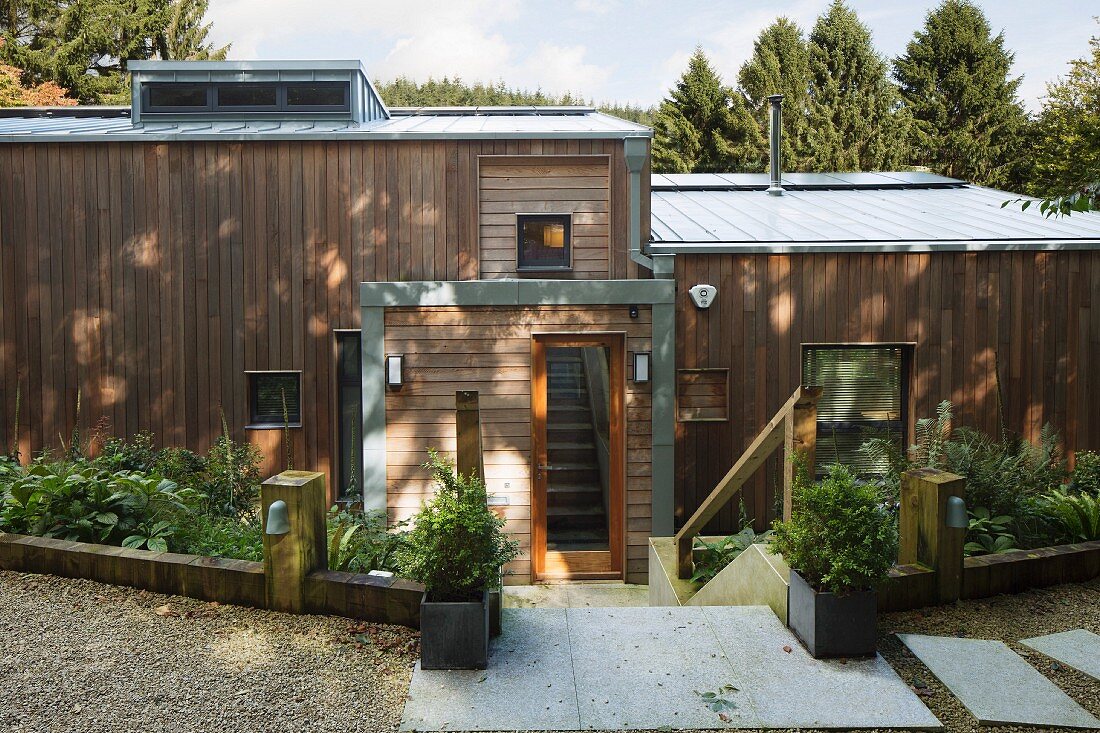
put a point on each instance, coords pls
(915, 586)
(239, 582)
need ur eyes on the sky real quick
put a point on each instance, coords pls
(605, 50)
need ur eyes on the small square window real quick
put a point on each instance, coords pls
(865, 388)
(543, 241)
(267, 392)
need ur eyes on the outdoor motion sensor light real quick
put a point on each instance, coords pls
(393, 370)
(641, 366)
(278, 518)
(956, 513)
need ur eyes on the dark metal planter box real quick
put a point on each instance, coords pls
(496, 611)
(454, 635)
(832, 624)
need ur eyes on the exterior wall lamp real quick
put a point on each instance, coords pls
(278, 518)
(393, 370)
(641, 366)
(956, 513)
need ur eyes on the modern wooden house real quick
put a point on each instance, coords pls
(253, 235)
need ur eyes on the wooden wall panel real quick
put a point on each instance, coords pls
(150, 277)
(1027, 321)
(577, 185)
(489, 350)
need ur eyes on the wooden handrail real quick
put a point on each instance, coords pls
(795, 428)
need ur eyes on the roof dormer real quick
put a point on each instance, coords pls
(174, 91)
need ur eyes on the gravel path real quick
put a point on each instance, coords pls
(79, 656)
(1009, 619)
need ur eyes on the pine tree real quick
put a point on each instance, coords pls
(1066, 152)
(855, 123)
(184, 37)
(84, 45)
(955, 81)
(780, 64)
(703, 126)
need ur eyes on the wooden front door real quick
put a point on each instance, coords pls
(578, 456)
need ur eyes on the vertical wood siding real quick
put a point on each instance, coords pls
(152, 276)
(489, 350)
(1033, 318)
(580, 186)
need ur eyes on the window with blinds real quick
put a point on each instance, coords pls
(267, 391)
(864, 396)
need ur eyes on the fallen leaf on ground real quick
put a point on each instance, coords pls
(165, 610)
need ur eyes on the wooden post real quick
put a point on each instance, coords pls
(468, 430)
(924, 537)
(289, 558)
(799, 438)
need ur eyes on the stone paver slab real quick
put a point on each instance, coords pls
(794, 690)
(1079, 649)
(528, 685)
(996, 684)
(642, 668)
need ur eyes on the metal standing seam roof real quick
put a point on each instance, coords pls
(404, 123)
(906, 212)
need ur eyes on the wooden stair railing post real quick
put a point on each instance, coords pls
(799, 438)
(762, 446)
(924, 537)
(290, 557)
(469, 458)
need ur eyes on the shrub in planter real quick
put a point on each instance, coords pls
(456, 549)
(840, 543)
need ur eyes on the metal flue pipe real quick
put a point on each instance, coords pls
(775, 144)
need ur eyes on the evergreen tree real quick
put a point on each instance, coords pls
(703, 126)
(855, 123)
(955, 81)
(780, 64)
(85, 45)
(405, 92)
(1065, 155)
(184, 38)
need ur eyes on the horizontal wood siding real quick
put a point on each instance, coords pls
(150, 277)
(1030, 317)
(580, 186)
(489, 350)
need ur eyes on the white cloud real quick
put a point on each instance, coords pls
(559, 69)
(415, 38)
(595, 7)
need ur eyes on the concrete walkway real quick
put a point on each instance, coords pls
(650, 668)
(576, 595)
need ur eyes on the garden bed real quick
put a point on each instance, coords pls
(240, 582)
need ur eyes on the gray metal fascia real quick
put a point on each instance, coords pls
(154, 137)
(776, 248)
(373, 359)
(663, 478)
(506, 292)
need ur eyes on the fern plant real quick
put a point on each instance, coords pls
(1077, 515)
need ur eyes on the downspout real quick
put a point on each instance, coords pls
(634, 151)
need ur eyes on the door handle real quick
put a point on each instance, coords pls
(553, 468)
